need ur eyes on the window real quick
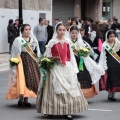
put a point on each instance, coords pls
(42, 15)
(107, 9)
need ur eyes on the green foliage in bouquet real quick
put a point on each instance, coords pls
(47, 63)
(83, 52)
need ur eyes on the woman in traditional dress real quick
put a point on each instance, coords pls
(90, 72)
(62, 94)
(96, 41)
(75, 22)
(25, 77)
(110, 61)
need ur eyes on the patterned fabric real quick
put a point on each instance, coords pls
(84, 76)
(113, 72)
(111, 80)
(31, 71)
(50, 103)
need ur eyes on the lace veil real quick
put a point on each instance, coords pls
(103, 57)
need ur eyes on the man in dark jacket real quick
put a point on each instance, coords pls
(16, 26)
(87, 26)
(49, 31)
(12, 34)
(115, 24)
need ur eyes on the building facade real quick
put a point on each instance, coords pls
(96, 9)
(32, 10)
(51, 9)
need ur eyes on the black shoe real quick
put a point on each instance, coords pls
(69, 117)
(20, 103)
(26, 104)
(111, 99)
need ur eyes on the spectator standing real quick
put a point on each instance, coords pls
(16, 26)
(115, 24)
(82, 32)
(68, 23)
(55, 22)
(11, 33)
(49, 31)
(87, 27)
(40, 32)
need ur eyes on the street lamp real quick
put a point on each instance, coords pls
(20, 13)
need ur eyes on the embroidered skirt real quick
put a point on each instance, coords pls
(26, 79)
(84, 78)
(50, 103)
(31, 72)
(111, 80)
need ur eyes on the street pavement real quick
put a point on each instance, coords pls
(4, 62)
(99, 107)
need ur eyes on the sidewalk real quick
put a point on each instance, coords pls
(4, 62)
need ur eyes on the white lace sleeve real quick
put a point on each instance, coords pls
(15, 52)
(48, 49)
(103, 58)
(16, 48)
(73, 61)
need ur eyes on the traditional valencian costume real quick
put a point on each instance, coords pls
(90, 72)
(25, 77)
(62, 94)
(110, 61)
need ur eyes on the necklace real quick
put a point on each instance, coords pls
(74, 40)
(27, 39)
(112, 44)
(75, 44)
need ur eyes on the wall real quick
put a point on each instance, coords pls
(116, 9)
(29, 16)
(27, 4)
(63, 9)
(77, 8)
(100, 10)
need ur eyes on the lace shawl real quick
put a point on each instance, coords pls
(64, 77)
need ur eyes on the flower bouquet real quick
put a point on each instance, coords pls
(83, 52)
(14, 61)
(46, 64)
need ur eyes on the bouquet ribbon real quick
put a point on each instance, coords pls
(81, 64)
(44, 76)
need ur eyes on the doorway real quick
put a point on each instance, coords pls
(83, 9)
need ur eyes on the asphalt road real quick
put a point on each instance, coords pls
(99, 107)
